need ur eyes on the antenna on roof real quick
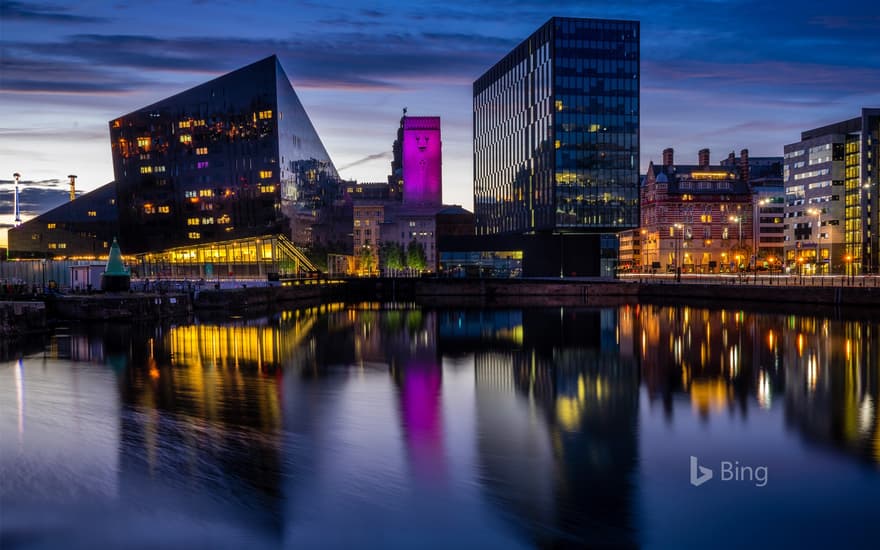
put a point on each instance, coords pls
(404, 111)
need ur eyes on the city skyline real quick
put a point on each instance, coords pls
(356, 68)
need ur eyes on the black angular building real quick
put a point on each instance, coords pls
(232, 158)
(222, 179)
(556, 131)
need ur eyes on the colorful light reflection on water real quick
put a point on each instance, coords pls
(365, 425)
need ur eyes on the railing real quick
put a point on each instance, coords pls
(304, 265)
(863, 281)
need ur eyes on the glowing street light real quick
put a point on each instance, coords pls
(818, 213)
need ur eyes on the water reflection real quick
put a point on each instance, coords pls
(346, 425)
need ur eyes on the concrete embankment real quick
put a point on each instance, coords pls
(537, 292)
(264, 297)
(119, 306)
(19, 319)
(837, 296)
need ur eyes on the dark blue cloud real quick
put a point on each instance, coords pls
(11, 10)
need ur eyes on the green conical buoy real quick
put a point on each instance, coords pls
(115, 278)
(115, 266)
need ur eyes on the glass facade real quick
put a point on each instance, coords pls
(234, 157)
(830, 184)
(556, 131)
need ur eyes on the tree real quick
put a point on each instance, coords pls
(391, 256)
(366, 260)
(416, 259)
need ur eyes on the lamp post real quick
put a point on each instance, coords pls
(678, 248)
(848, 258)
(17, 206)
(739, 220)
(818, 213)
(800, 262)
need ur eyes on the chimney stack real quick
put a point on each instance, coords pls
(72, 186)
(17, 200)
(704, 158)
(668, 158)
(745, 173)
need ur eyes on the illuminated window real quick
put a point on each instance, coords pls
(149, 209)
(558, 105)
(194, 235)
(145, 156)
(558, 144)
(207, 221)
(202, 164)
(224, 219)
(53, 246)
(62, 245)
(164, 209)
(50, 226)
(265, 114)
(201, 150)
(92, 213)
(186, 138)
(117, 124)
(184, 124)
(706, 218)
(159, 169)
(146, 169)
(198, 123)
(206, 192)
(192, 221)
(267, 188)
(106, 245)
(190, 194)
(144, 143)
(265, 174)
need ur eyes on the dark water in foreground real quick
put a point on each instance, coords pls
(361, 426)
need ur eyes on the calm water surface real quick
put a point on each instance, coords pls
(399, 427)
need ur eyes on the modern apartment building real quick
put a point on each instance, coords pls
(831, 178)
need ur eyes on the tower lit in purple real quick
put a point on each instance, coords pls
(422, 160)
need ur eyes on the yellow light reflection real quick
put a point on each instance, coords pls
(709, 395)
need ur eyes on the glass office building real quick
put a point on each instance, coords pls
(236, 157)
(556, 132)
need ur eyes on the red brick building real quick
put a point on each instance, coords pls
(697, 217)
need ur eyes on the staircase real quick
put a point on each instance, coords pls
(303, 265)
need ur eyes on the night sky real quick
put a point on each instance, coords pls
(720, 74)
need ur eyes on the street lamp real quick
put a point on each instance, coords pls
(678, 248)
(739, 220)
(800, 262)
(848, 258)
(818, 213)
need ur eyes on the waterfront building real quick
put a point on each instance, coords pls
(232, 158)
(409, 208)
(78, 229)
(697, 218)
(228, 177)
(831, 178)
(764, 175)
(556, 137)
(630, 256)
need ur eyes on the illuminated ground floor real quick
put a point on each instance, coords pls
(255, 257)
